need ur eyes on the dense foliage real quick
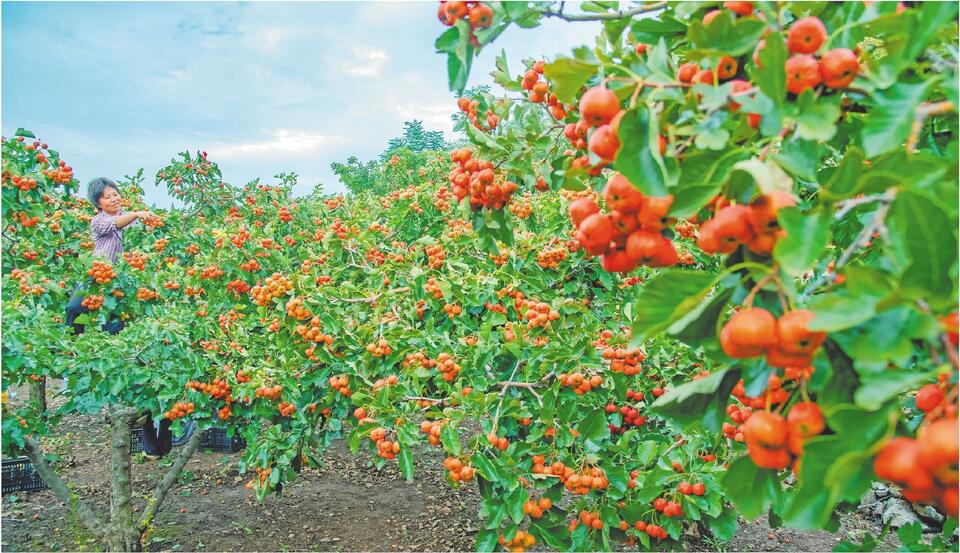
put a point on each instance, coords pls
(812, 148)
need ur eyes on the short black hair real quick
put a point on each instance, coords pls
(97, 187)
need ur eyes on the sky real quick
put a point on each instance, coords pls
(263, 87)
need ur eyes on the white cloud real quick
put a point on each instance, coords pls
(434, 116)
(281, 142)
(389, 13)
(270, 39)
(367, 62)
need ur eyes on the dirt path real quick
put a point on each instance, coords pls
(347, 506)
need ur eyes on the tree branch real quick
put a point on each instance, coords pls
(169, 479)
(59, 488)
(619, 14)
(673, 446)
(920, 115)
(951, 351)
(503, 394)
(374, 297)
(847, 205)
(875, 224)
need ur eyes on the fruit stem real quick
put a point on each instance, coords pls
(636, 93)
(770, 277)
(789, 400)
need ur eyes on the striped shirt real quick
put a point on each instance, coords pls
(107, 238)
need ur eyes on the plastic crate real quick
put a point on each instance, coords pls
(20, 476)
(216, 439)
(136, 440)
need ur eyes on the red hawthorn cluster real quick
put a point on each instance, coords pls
(477, 179)
(629, 234)
(470, 107)
(622, 360)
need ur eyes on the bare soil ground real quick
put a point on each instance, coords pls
(347, 506)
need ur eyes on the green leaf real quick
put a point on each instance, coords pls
(869, 543)
(751, 489)
(886, 338)
(639, 157)
(911, 533)
(929, 16)
(855, 304)
(450, 439)
(877, 389)
(700, 402)
(710, 133)
(767, 175)
(516, 10)
(799, 157)
(646, 452)
(651, 30)
(448, 41)
(891, 118)
(457, 74)
(755, 374)
(481, 138)
(658, 58)
(835, 467)
(514, 503)
(842, 182)
(816, 117)
(724, 526)
(484, 467)
(594, 426)
(905, 36)
(806, 239)
(770, 77)
(835, 312)
(842, 382)
(405, 461)
(82, 319)
(699, 327)
(502, 75)
(666, 298)
(567, 76)
(702, 177)
(554, 536)
(925, 234)
(487, 540)
(725, 36)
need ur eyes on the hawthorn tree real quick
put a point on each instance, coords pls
(811, 149)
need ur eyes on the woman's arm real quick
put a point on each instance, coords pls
(127, 218)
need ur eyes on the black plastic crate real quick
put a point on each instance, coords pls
(20, 476)
(136, 440)
(216, 439)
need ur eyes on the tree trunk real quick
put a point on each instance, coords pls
(169, 479)
(38, 394)
(123, 533)
(59, 488)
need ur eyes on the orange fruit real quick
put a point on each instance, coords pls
(806, 35)
(598, 106)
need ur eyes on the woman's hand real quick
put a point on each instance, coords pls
(145, 214)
